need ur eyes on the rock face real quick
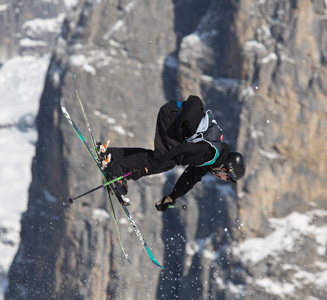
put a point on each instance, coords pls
(29, 27)
(261, 66)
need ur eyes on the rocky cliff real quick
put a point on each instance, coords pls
(29, 27)
(261, 66)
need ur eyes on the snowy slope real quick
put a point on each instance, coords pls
(20, 95)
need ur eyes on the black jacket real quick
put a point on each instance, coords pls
(185, 154)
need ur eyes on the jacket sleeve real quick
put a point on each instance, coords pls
(187, 180)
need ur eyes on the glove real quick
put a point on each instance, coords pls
(163, 204)
(137, 174)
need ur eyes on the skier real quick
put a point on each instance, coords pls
(185, 135)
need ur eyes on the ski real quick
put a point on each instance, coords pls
(88, 148)
(116, 193)
(111, 186)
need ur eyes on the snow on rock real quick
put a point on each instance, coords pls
(119, 129)
(121, 22)
(3, 7)
(31, 43)
(20, 95)
(285, 236)
(269, 155)
(269, 57)
(100, 215)
(80, 60)
(221, 82)
(194, 46)
(70, 3)
(34, 27)
(254, 47)
(105, 117)
(281, 289)
(297, 246)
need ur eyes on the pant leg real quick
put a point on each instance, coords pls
(138, 158)
(119, 153)
(126, 160)
(165, 135)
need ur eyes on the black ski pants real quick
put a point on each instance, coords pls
(126, 160)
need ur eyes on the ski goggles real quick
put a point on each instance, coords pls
(220, 172)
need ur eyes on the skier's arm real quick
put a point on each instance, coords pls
(187, 180)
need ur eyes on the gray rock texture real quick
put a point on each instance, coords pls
(261, 66)
(29, 26)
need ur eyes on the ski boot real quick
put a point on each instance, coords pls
(102, 149)
(105, 162)
(102, 154)
(120, 186)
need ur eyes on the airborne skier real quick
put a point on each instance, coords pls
(185, 135)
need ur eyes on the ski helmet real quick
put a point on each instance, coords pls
(235, 165)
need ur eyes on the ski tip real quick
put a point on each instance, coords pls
(126, 256)
(152, 258)
(75, 76)
(70, 200)
(62, 102)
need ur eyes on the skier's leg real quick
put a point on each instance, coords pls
(104, 150)
(128, 164)
(165, 135)
(119, 153)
